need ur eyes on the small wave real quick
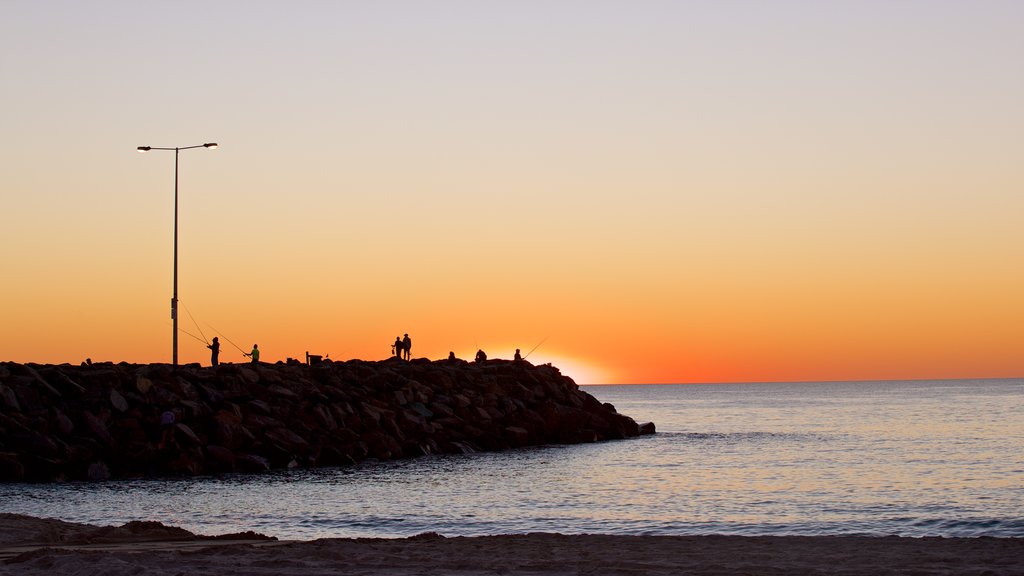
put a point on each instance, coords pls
(1004, 527)
(738, 437)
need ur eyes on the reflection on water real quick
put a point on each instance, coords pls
(918, 458)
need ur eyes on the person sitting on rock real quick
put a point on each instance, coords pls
(406, 346)
(481, 356)
(518, 357)
(255, 354)
(451, 356)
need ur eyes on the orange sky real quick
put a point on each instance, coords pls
(667, 192)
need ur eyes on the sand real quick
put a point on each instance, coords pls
(41, 546)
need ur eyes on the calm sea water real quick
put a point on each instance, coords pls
(879, 458)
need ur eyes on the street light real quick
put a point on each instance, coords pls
(174, 298)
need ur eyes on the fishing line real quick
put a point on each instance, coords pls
(196, 323)
(186, 332)
(537, 346)
(226, 338)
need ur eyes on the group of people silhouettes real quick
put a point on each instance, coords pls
(402, 348)
(215, 353)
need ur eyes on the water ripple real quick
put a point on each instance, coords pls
(855, 458)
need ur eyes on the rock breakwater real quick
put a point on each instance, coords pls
(63, 422)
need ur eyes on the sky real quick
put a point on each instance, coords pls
(653, 192)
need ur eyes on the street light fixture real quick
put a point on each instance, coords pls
(174, 298)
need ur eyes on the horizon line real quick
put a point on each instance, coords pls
(837, 381)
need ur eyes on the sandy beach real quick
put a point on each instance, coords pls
(44, 546)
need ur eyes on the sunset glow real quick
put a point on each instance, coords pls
(671, 192)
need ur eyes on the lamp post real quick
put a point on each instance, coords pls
(174, 298)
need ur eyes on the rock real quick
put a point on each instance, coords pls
(622, 426)
(259, 423)
(325, 418)
(261, 406)
(77, 455)
(442, 410)
(67, 385)
(11, 468)
(252, 463)
(98, 471)
(421, 410)
(281, 392)
(40, 382)
(187, 463)
(10, 400)
(517, 436)
(210, 394)
(229, 431)
(61, 422)
(27, 394)
(118, 401)
(220, 459)
(44, 446)
(382, 447)
(143, 384)
(647, 428)
(465, 447)
(97, 427)
(249, 375)
(288, 439)
(185, 389)
(185, 431)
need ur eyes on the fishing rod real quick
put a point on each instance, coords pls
(187, 333)
(226, 338)
(537, 346)
(187, 311)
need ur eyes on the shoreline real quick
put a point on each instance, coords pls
(30, 545)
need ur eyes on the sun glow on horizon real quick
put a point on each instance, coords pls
(581, 371)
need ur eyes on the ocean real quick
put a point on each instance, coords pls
(909, 458)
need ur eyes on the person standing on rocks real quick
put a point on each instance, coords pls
(167, 428)
(407, 346)
(214, 352)
(255, 354)
(396, 348)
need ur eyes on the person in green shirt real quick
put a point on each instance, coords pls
(255, 354)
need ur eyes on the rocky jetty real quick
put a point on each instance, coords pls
(63, 422)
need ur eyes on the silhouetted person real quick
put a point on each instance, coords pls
(518, 357)
(255, 354)
(406, 346)
(214, 351)
(396, 348)
(451, 356)
(480, 356)
(166, 428)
